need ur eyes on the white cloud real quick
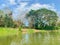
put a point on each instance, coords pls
(23, 4)
(12, 2)
(38, 6)
(22, 9)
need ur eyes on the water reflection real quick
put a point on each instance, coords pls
(42, 38)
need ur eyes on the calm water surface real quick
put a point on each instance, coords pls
(42, 38)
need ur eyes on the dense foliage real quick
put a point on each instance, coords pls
(6, 20)
(42, 19)
(38, 19)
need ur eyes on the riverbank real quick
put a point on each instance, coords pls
(35, 31)
(7, 32)
(15, 31)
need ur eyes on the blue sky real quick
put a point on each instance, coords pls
(21, 7)
(14, 4)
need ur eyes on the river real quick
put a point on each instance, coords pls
(39, 38)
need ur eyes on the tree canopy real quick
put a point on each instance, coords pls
(42, 18)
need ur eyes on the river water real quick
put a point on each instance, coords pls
(41, 38)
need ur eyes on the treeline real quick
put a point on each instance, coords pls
(43, 19)
(6, 20)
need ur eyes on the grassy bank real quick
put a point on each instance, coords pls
(34, 31)
(7, 31)
(14, 31)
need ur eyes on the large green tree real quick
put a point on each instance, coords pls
(42, 18)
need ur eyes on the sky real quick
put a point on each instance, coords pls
(21, 7)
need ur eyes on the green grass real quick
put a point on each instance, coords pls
(30, 31)
(11, 31)
(7, 32)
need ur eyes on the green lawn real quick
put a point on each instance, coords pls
(7, 32)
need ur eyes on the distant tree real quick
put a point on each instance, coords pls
(1, 18)
(58, 24)
(8, 21)
(18, 23)
(31, 18)
(42, 18)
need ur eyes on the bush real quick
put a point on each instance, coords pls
(20, 28)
